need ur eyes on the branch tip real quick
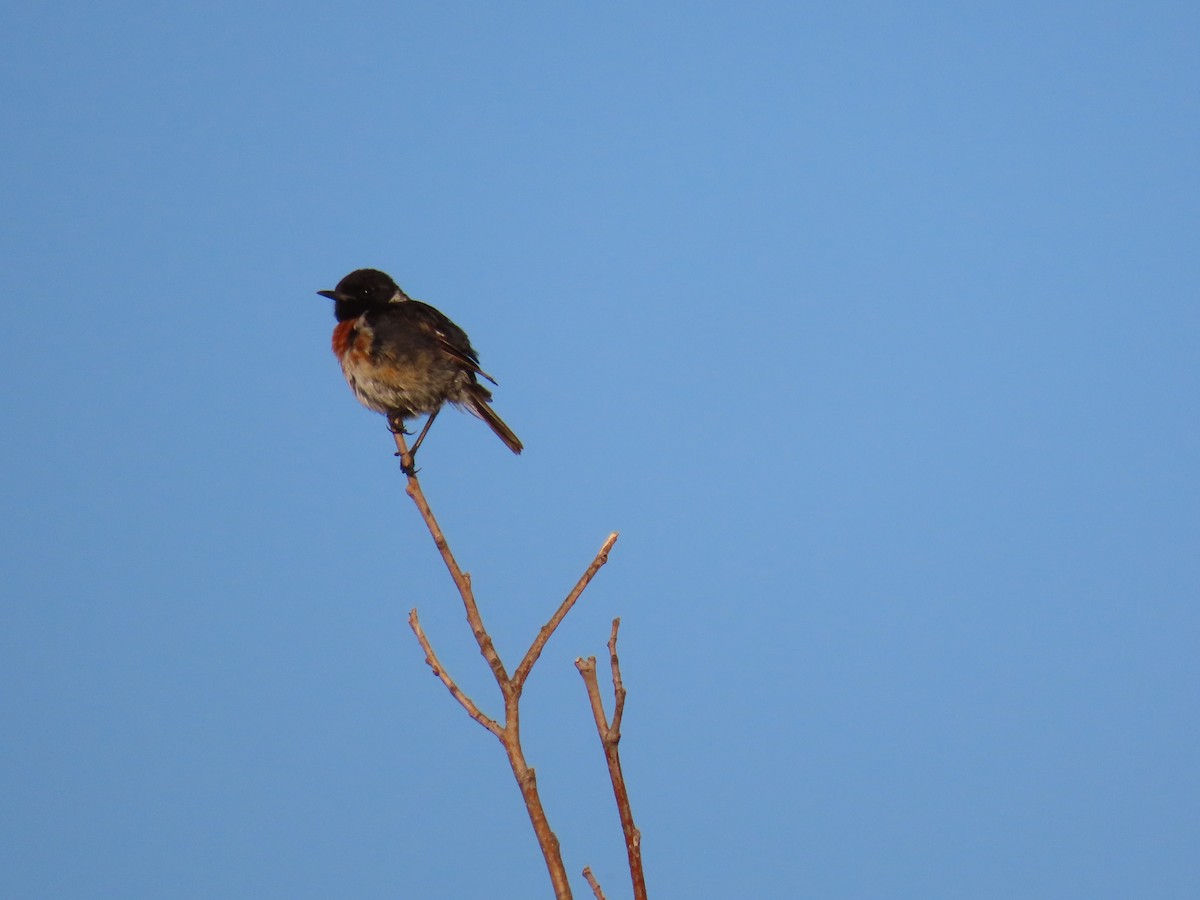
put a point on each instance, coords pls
(543, 636)
(593, 883)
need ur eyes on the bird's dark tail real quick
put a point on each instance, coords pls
(477, 403)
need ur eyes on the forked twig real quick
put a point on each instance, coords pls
(507, 732)
(610, 737)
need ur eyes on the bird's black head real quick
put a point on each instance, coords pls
(361, 290)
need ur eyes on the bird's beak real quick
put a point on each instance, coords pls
(332, 295)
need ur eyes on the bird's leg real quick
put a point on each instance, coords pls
(410, 468)
(424, 431)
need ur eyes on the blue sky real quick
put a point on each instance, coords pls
(873, 328)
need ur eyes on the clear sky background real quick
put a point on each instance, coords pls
(872, 327)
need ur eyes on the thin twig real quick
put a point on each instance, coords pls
(618, 686)
(610, 737)
(440, 671)
(539, 643)
(462, 580)
(593, 883)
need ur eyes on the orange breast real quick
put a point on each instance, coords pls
(343, 334)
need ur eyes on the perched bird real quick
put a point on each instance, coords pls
(404, 359)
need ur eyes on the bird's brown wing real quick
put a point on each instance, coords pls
(452, 340)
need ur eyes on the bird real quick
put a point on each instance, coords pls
(404, 359)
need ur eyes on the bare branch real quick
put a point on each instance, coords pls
(618, 686)
(461, 579)
(510, 732)
(457, 692)
(539, 643)
(593, 883)
(527, 782)
(610, 737)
